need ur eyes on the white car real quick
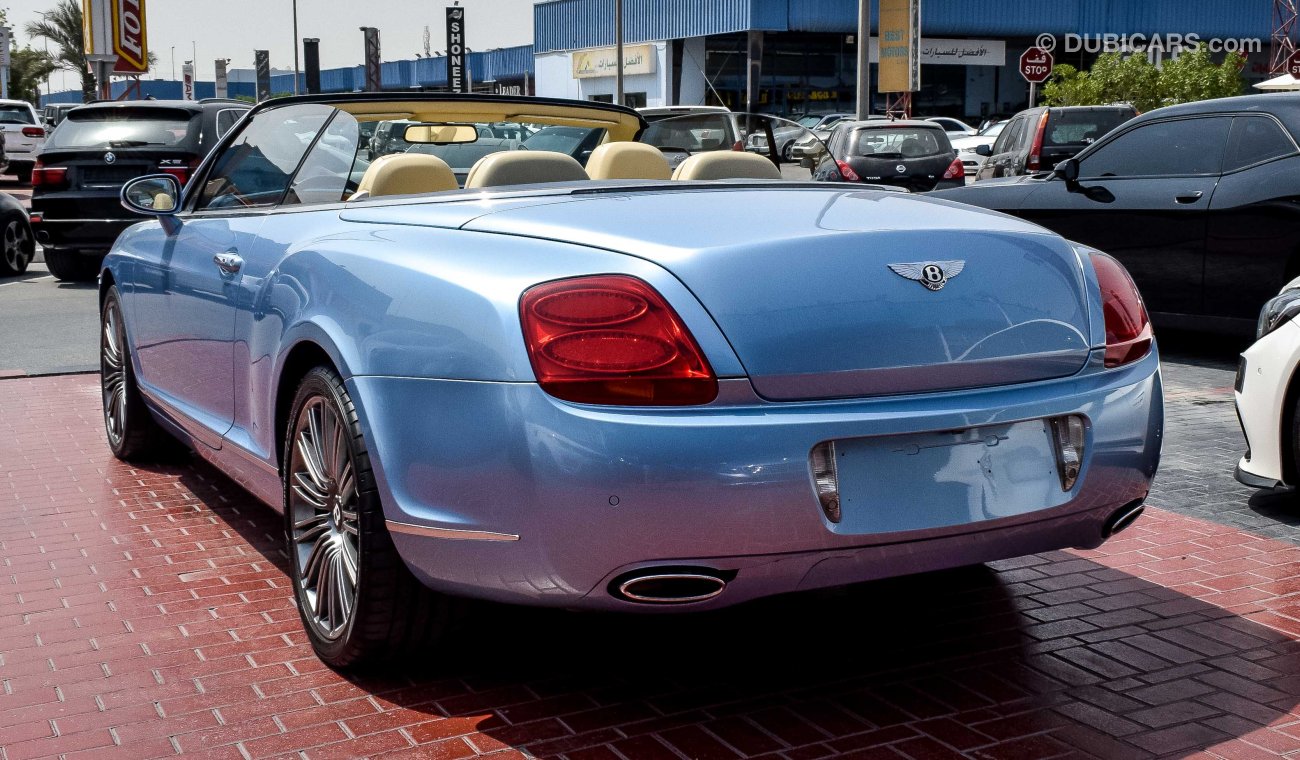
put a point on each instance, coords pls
(966, 147)
(23, 137)
(954, 127)
(1266, 399)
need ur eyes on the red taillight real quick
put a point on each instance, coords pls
(49, 177)
(738, 145)
(612, 339)
(1128, 330)
(1034, 161)
(33, 132)
(181, 173)
(956, 170)
(847, 172)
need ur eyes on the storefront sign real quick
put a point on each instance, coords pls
(129, 41)
(456, 49)
(955, 52)
(603, 62)
(187, 78)
(900, 45)
(262, 64)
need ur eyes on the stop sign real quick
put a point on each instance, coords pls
(1293, 64)
(1035, 65)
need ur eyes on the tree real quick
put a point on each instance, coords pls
(28, 68)
(1193, 76)
(1070, 87)
(1117, 79)
(62, 26)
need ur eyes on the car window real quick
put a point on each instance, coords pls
(254, 170)
(1008, 135)
(16, 115)
(131, 127)
(1081, 127)
(329, 173)
(1182, 147)
(226, 119)
(1255, 139)
(899, 142)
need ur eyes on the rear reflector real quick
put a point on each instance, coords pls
(1068, 433)
(826, 479)
(1128, 329)
(612, 339)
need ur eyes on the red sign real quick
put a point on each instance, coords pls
(1293, 64)
(1035, 65)
(129, 36)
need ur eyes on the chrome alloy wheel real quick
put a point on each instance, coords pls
(323, 513)
(112, 369)
(15, 246)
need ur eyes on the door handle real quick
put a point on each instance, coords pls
(1189, 197)
(228, 262)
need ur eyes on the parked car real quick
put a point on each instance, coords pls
(1037, 139)
(17, 246)
(788, 136)
(968, 147)
(386, 138)
(954, 127)
(1266, 394)
(657, 113)
(55, 113)
(912, 154)
(75, 210)
(810, 145)
(1195, 199)
(24, 136)
(612, 395)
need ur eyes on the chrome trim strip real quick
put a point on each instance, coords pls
(625, 588)
(454, 534)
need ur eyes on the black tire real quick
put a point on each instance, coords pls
(359, 603)
(133, 434)
(71, 266)
(787, 152)
(16, 246)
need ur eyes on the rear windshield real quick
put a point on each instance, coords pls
(16, 115)
(1082, 127)
(899, 142)
(125, 128)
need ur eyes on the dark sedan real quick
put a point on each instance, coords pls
(915, 155)
(1199, 201)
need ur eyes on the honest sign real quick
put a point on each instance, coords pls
(1035, 65)
(129, 36)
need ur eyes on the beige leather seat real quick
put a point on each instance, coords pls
(523, 167)
(727, 164)
(405, 174)
(628, 160)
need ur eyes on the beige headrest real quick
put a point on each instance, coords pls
(523, 167)
(406, 174)
(627, 160)
(727, 164)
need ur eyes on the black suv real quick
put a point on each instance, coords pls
(75, 210)
(1038, 139)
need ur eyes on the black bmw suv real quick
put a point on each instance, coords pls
(75, 211)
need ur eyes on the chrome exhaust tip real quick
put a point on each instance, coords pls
(668, 586)
(1123, 517)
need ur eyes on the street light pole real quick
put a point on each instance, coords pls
(864, 59)
(173, 63)
(618, 51)
(295, 47)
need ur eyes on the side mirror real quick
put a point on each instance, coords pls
(984, 150)
(1067, 170)
(152, 195)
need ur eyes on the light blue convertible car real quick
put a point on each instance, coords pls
(583, 382)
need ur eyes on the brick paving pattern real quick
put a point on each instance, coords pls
(144, 612)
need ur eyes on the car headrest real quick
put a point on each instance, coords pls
(627, 160)
(406, 174)
(726, 164)
(523, 167)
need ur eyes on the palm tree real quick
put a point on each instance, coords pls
(62, 26)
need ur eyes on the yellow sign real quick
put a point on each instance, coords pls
(129, 40)
(603, 62)
(900, 41)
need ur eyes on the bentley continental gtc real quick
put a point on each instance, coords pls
(574, 378)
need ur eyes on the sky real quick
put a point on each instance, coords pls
(233, 29)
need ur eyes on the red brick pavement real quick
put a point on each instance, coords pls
(144, 612)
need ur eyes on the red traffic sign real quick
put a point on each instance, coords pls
(1035, 65)
(1293, 64)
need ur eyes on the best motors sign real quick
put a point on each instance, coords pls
(129, 40)
(900, 45)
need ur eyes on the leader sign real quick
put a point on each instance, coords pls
(129, 36)
(456, 49)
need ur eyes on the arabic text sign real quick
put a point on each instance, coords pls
(129, 36)
(1035, 65)
(900, 38)
(603, 62)
(456, 49)
(935, 50)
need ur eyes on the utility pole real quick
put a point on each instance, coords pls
(864, 59)
(618, 51)
(295, 47)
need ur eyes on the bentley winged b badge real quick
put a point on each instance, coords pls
(932, 274)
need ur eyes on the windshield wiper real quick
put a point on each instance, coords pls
(131, 143)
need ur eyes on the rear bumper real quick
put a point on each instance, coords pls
(1263, 379)
(496, 490)
(84, 235)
